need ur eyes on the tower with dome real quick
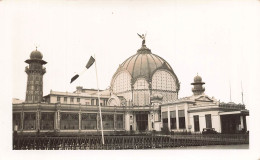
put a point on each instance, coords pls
(35, 72)
(142, 97)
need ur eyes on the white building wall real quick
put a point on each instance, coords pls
(53, 99)
(157, 126)
(215, 119)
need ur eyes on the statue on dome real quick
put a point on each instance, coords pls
(143, 38)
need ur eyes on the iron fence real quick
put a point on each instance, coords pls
(125, 142)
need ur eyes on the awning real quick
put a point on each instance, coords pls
(243, 112)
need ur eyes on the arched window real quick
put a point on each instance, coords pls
(164, 83)
(141, 92)
(122, 82)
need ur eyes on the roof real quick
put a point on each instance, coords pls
(82, 94)
(143, 64)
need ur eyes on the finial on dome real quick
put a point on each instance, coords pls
(36, 47)
(143, 38)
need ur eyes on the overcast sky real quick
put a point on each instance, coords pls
(214, 39)
(219, 40)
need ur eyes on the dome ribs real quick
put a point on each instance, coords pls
(129, 60)
(154, 60)
(160, 59)
(148, 67)
(133, 71)
(165, 62)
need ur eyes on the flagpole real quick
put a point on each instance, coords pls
(242, 93)
(100, 115)
(230, 92)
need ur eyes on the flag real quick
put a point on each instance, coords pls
(90, 62)
(74, 78)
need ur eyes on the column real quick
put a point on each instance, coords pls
(38, 119)
(186, 117)
(114, 121)
(134, 122)
(98, 123)
(80, 121)
(55, 121)
(22, 118)
(245, 123)
(124, 128)
(58, 120)
(169, 121)
(241, 122)
(177, 117)
(126, 121)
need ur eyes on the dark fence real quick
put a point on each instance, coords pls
(125, 142)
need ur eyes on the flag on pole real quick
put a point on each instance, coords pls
(89, 64)
(74, 78)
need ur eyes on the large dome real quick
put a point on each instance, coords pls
(142, 76)
(143, 64)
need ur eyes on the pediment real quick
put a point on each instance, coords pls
(204, 99)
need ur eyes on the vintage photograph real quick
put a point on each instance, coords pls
(132, 75)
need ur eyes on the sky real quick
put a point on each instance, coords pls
(219, 40)
(212, 39)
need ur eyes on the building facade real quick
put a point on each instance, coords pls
(143, 96)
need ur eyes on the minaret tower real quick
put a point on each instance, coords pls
(35, 72)
(198, 89)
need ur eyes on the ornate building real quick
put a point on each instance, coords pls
(143, 96)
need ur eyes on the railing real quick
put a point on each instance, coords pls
(125, 142)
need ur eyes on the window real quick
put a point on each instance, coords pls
(88, 121)
(108, 121)
(181, 119)
(173, 119)
(65, 99)
(71, 99)
(208, 121)
(69, 121)
(58, 99)
(92, 101)
(29, 122)
(47, 121)
(165, 119)
(78, 99)
(87, 103)
(119, 121)
(97, 102)
(196, 123)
